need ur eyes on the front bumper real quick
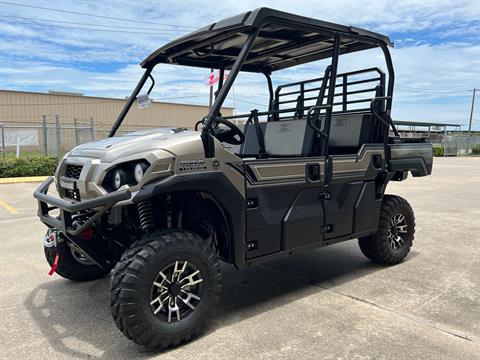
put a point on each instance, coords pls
(98, 206)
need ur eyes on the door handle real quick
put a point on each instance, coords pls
(313, 172)
(377, 161)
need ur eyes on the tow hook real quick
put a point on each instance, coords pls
(50, 240)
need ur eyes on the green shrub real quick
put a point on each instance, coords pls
(476, 149)
(438, 151)
(35, 166)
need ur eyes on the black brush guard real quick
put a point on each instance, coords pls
(47, 203)
(64, 224)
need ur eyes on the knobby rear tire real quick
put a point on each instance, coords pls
(378, 247)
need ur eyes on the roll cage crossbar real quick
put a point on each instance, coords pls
(266, 40)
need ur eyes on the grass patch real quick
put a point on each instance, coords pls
(438, 151)
(476, 150)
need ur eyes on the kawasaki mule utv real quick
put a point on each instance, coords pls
(160, 208)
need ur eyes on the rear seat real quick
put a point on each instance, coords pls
(348, 132)
(286, 138)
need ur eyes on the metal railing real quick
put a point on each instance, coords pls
(353, 92)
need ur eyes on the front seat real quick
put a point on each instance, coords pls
(251, 147)
(286, 138)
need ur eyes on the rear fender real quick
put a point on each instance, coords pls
(414, 157)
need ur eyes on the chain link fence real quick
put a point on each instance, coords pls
(55, 136)
(454, 145)
(51, 138)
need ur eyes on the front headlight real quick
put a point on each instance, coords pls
(129, 173)
(139, 170)
(119, 178)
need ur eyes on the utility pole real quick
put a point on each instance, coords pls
(471, 110)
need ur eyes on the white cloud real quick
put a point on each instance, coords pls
(431, 78)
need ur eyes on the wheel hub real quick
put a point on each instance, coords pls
(176, 291)
(396, 231)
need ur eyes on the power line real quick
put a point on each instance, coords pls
(96, 16)
(90, 24)
(435, 90)
(55, 52)
(247, 102)
(86, 28)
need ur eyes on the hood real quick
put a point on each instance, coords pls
(138, 142)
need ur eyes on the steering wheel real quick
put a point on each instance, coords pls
(233, 135)
(199, 122)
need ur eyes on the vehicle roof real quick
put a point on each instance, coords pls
(284, 40)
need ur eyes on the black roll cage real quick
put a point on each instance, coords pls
(241, 60)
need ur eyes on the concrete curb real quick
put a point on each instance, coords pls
(26, 179)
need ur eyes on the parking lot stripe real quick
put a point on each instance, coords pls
(8, 207)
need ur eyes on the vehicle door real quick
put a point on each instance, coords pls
(285, 193)
(354, 201)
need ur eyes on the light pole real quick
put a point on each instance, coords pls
(471, 110)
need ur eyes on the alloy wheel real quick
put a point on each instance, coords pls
(396, 230)
(176, 291)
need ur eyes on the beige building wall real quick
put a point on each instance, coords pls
(28, 107)
(21, 114)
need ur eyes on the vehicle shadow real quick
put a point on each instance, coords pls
(75, 318)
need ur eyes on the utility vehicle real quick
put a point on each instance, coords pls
(160, 208)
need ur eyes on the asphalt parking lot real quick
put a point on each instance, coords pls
(331, 303)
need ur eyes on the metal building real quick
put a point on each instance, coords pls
(53, 123)
(27, 107)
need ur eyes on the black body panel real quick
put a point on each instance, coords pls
(414, 156)
(351, 200)
(339, 210)
(303, 223)
(417, 166)
(367, 209)
(264, 223)
(288, 210)
(222, 190)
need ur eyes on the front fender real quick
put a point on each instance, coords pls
(221, 189)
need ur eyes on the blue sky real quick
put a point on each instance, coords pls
(436, 54)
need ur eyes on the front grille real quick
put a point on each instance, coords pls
(73, 171)
(73, 194)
